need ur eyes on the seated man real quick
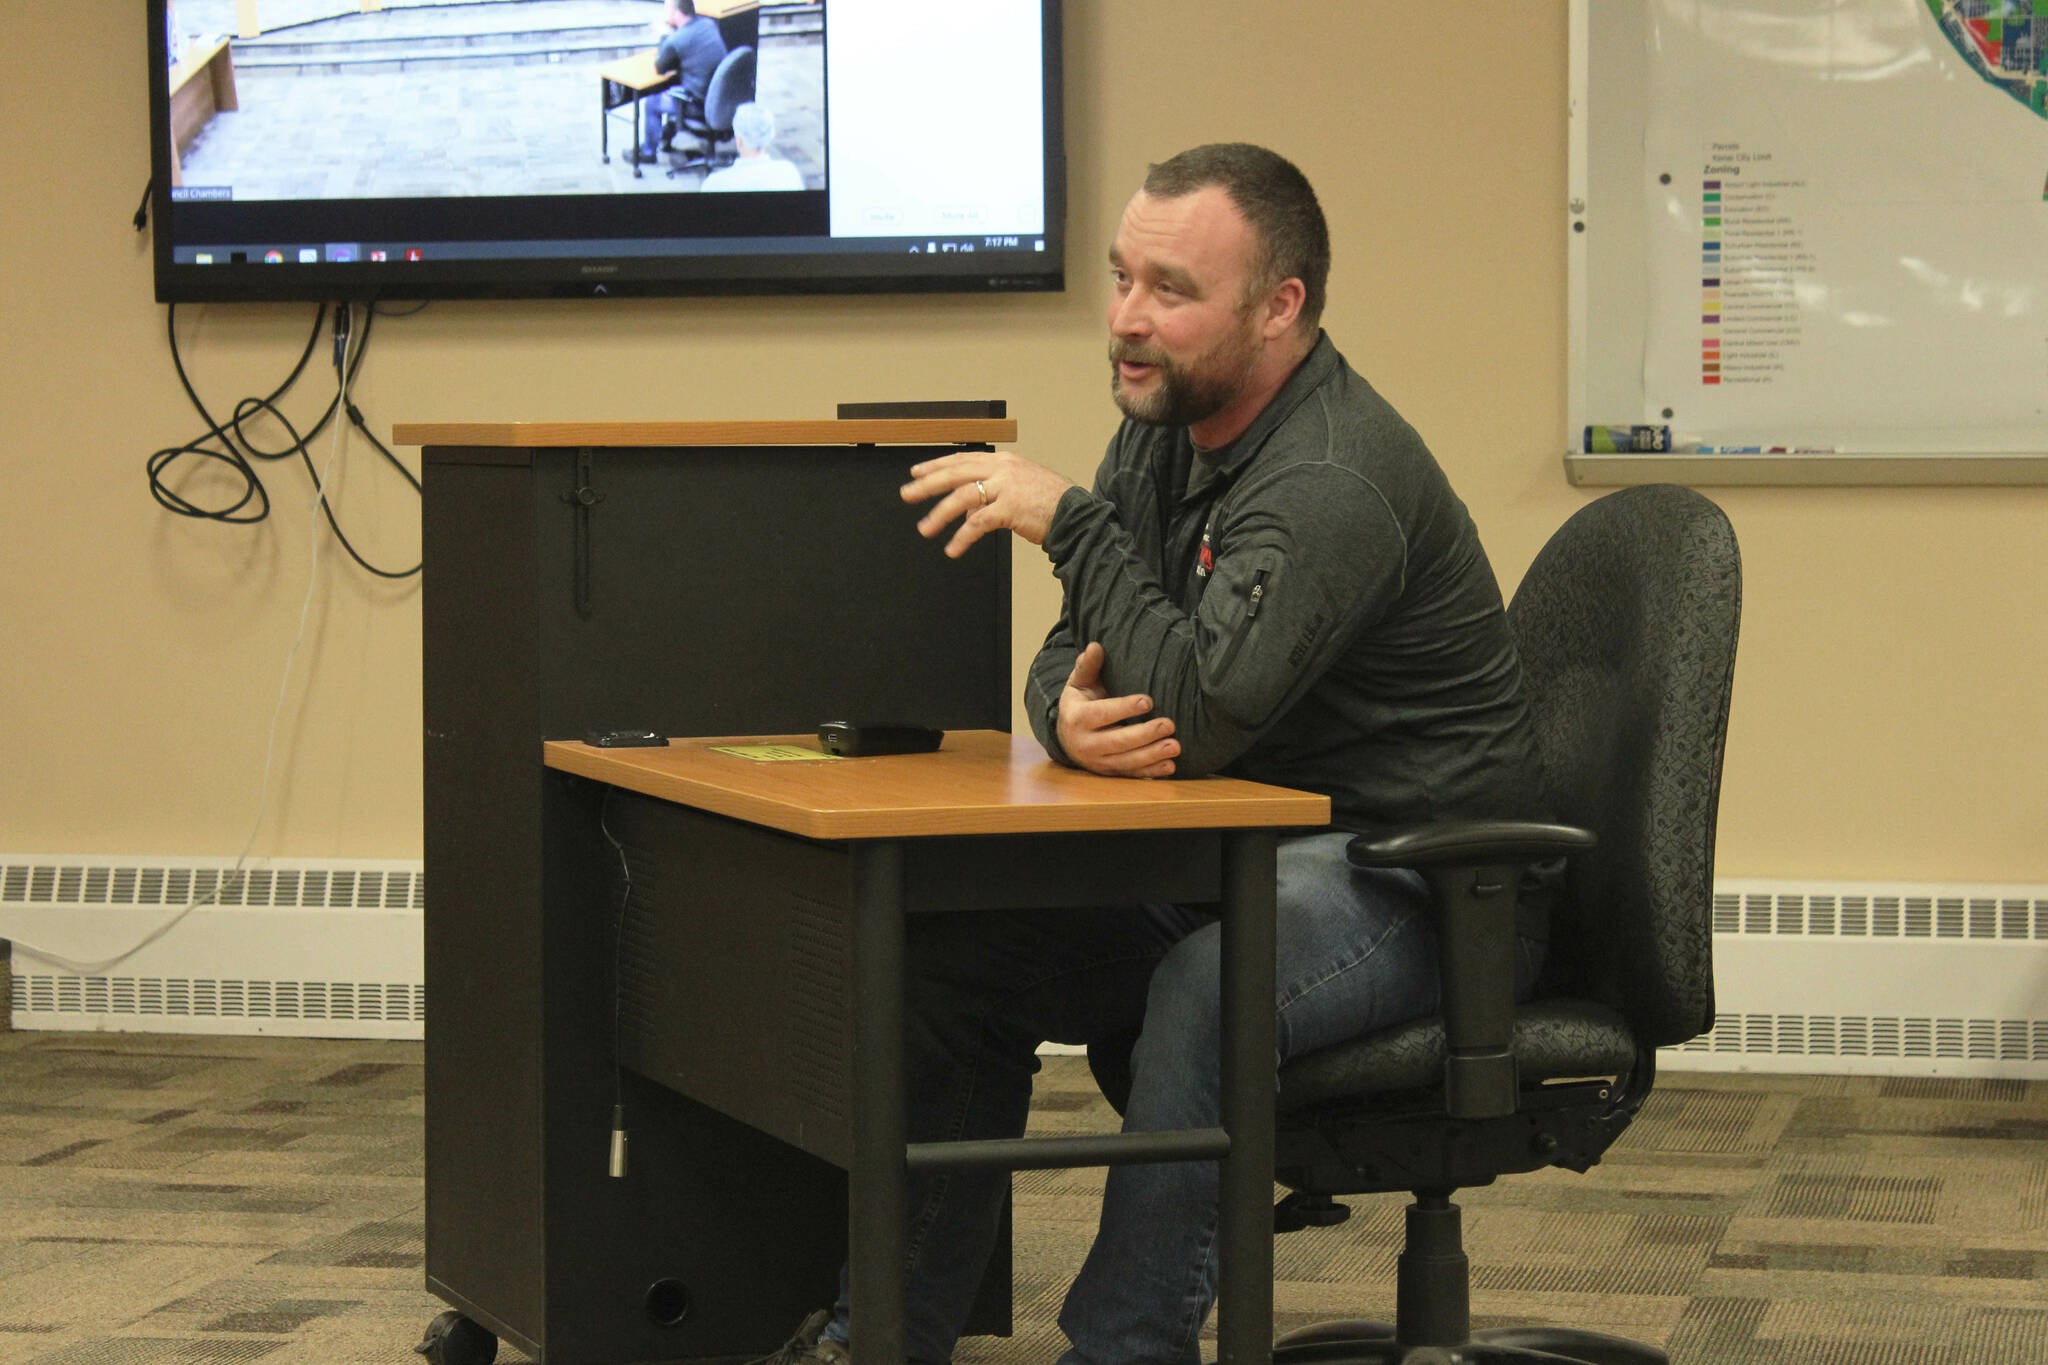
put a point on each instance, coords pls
(753, 128)
(692, 48)
(1271, 578)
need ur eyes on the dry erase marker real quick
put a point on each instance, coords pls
(1765, 450)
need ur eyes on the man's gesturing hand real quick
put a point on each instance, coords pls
(1093, 732)
(985, 491)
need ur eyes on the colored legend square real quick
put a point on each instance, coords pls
(1710, 184)
(1711, 245)
(1710, 317)
(1710, 282)
(1710, 379)
(1713, 223)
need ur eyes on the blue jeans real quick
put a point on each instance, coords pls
(1355, 951)
(653, 109)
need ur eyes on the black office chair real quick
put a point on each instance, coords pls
(1627, 624)
(731, 85)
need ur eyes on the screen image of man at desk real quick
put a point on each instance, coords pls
(1272, 579)
(691, 47)
(483, 100)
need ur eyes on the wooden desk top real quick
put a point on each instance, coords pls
(979, 782)
(195, 61)
(823, 432)
(637, 72)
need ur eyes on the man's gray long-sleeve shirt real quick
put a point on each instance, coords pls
(1309, 604)
(693, 51)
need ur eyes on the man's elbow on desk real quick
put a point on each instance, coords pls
(1207, 738)
(1198, 758)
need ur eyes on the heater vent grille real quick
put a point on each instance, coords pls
(1865, 914)
(183, 998)
(307, 947)
(276, 885)
(1875, 1036)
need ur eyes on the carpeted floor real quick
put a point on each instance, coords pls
(199, 1200)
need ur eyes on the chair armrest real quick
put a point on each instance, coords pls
(1468, 843)
(1474, 870)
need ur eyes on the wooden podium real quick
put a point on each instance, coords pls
(687, 578)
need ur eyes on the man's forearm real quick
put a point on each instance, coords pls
(1042, 687)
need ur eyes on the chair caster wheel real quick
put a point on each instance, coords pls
(452, 1339)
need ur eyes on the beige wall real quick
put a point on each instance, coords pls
(1889, 712)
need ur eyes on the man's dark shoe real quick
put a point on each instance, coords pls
(809, 1346)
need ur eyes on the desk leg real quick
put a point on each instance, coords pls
(875, 1213)
(1245, 1278)
(604, 119)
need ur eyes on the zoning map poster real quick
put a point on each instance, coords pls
(1847, 224)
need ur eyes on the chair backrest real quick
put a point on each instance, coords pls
(1627, 623)
(732, 84)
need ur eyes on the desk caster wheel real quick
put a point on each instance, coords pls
(452, 1339)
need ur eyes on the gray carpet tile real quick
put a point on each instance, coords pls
(176, 1200)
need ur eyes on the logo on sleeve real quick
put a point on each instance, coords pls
(1305, 641)
(1206, 560)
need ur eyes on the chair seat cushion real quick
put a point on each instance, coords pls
(1552, 1039)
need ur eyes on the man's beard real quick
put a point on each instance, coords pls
(1184, 394)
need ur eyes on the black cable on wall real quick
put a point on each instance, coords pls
(232, 447)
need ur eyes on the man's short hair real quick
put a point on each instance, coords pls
(1275, 199)
(687, 8)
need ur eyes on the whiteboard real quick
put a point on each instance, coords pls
(1805, 237)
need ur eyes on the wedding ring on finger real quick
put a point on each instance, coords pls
(982, 489)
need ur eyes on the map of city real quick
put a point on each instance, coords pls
(2006, 41)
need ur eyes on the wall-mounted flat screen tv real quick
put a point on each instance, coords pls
(365, 149)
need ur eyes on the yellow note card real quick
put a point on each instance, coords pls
(771, 753)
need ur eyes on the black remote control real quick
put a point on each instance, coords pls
(856, 739)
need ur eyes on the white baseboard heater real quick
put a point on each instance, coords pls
(1840, 977)
(1869, 978)
(306, 948)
